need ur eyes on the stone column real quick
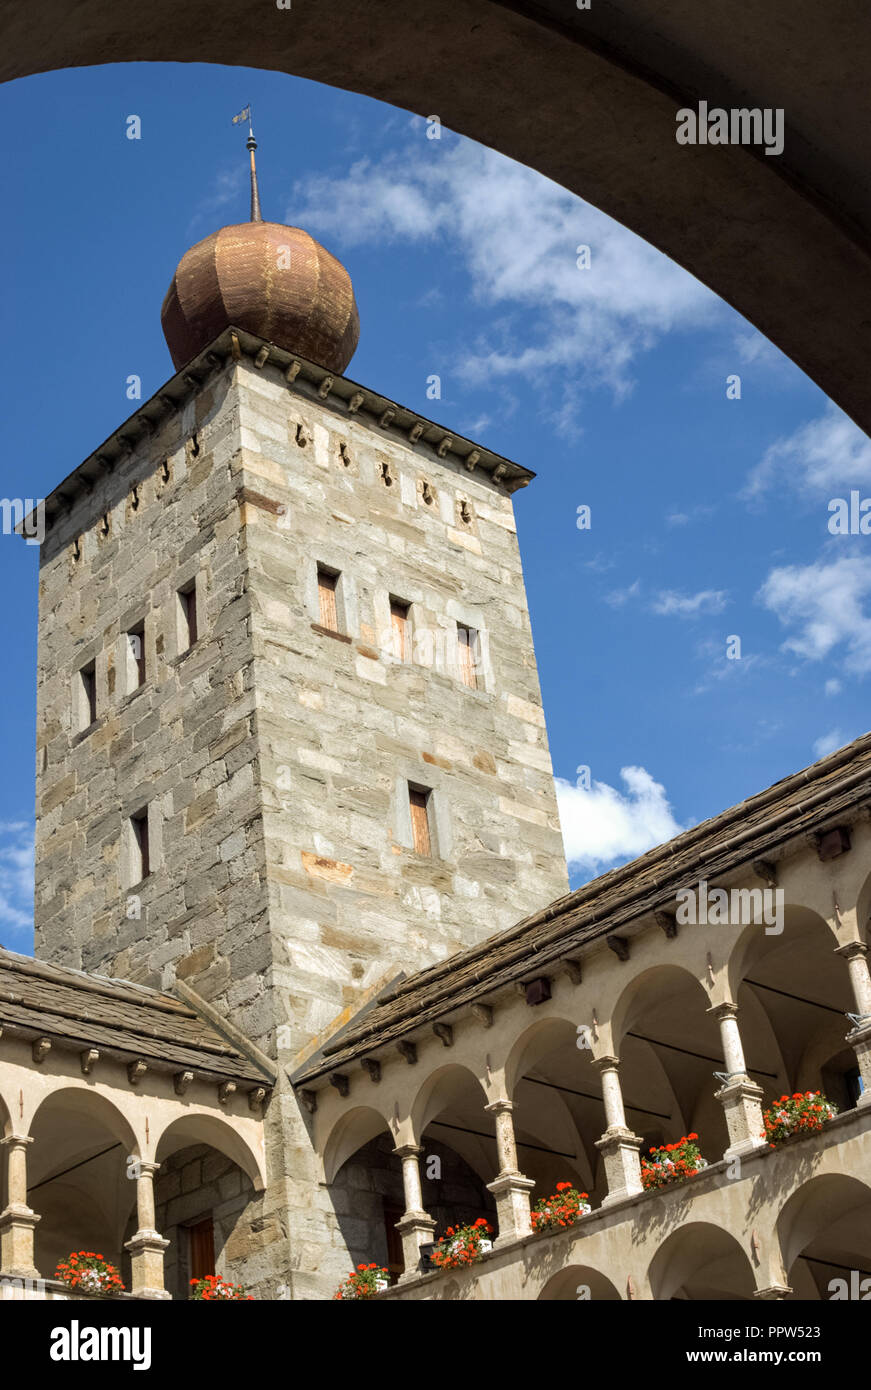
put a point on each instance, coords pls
(855, 953)
(415, 1227)
(17, 1221)
(740, 1097)
(618, 1145)
(146, 1246)
(510, 1188)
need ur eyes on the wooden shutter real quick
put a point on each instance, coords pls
(399, 623)
(201, 1239)
(420, 821)
(327, 598)
(466, 642)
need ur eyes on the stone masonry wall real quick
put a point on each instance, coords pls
(275, 759)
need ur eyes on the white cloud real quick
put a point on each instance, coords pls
(517, 236)
(825, 604)
(669, 603)
(828, 743)
(16, 876)
(603, 825)
(824, 457)
(618, 597)
(833, 687)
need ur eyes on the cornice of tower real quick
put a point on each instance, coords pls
(304, 378)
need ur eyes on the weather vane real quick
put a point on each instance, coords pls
(251, 144)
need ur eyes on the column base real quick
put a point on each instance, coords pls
(860, 1041)
(416, 1229)
(17, 1226)
(620, 1148)
(741, 1100)
(511, 1191)
(146, 1258)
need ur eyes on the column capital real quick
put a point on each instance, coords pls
(773, 1291)
(16, 1141)
(408, 1150)
(725, 1010)
(851, 949)
(147, 1168)
(606, 1063)
(502, 1106)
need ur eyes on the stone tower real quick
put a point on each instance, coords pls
(290, 737)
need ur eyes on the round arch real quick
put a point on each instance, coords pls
(615, 146)
(351, 1132)
(204, 1128)
(534, 1043)
(665, 983)
(824, 1234)
(90, 1105)
(448, 1085)
(579, 1283)
(701, 1261)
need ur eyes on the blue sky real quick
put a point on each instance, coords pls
(709, 515)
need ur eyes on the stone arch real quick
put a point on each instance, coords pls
(665, 981)
(701, 1261)
(536, 1042)
(824, 1233)
(615, 147)
(79, 1176)
(579, 1283)
(802, 987)
(439, 1089)
(354, 1129)
(83, 1100)
(800, 923)
(669, 1047)
(213, 1130)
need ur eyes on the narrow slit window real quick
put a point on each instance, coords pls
(141, 856)
(399, 622)
(418, 800)
(328, 582)
(187, 614)
(467, 654)
(87, 696)
(136, 658)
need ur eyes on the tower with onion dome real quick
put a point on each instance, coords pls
(290, 740)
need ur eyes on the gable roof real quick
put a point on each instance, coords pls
(123, 1020)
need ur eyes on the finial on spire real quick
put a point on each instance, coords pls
(245, 115)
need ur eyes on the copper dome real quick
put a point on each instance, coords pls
(273, 281)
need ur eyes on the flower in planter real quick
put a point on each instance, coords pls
(564, 1208)
(363, 1282)
(462, 1245)
(87, 1272)
(213, 1289)
(802, 1113)
(672, 1163)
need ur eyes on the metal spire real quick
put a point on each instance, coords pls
(245, 114)
(255, 193)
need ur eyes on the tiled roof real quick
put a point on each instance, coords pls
(757, 829)
(120, 1019)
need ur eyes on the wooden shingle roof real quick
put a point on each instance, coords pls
(830, 791)
(120, 1019)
